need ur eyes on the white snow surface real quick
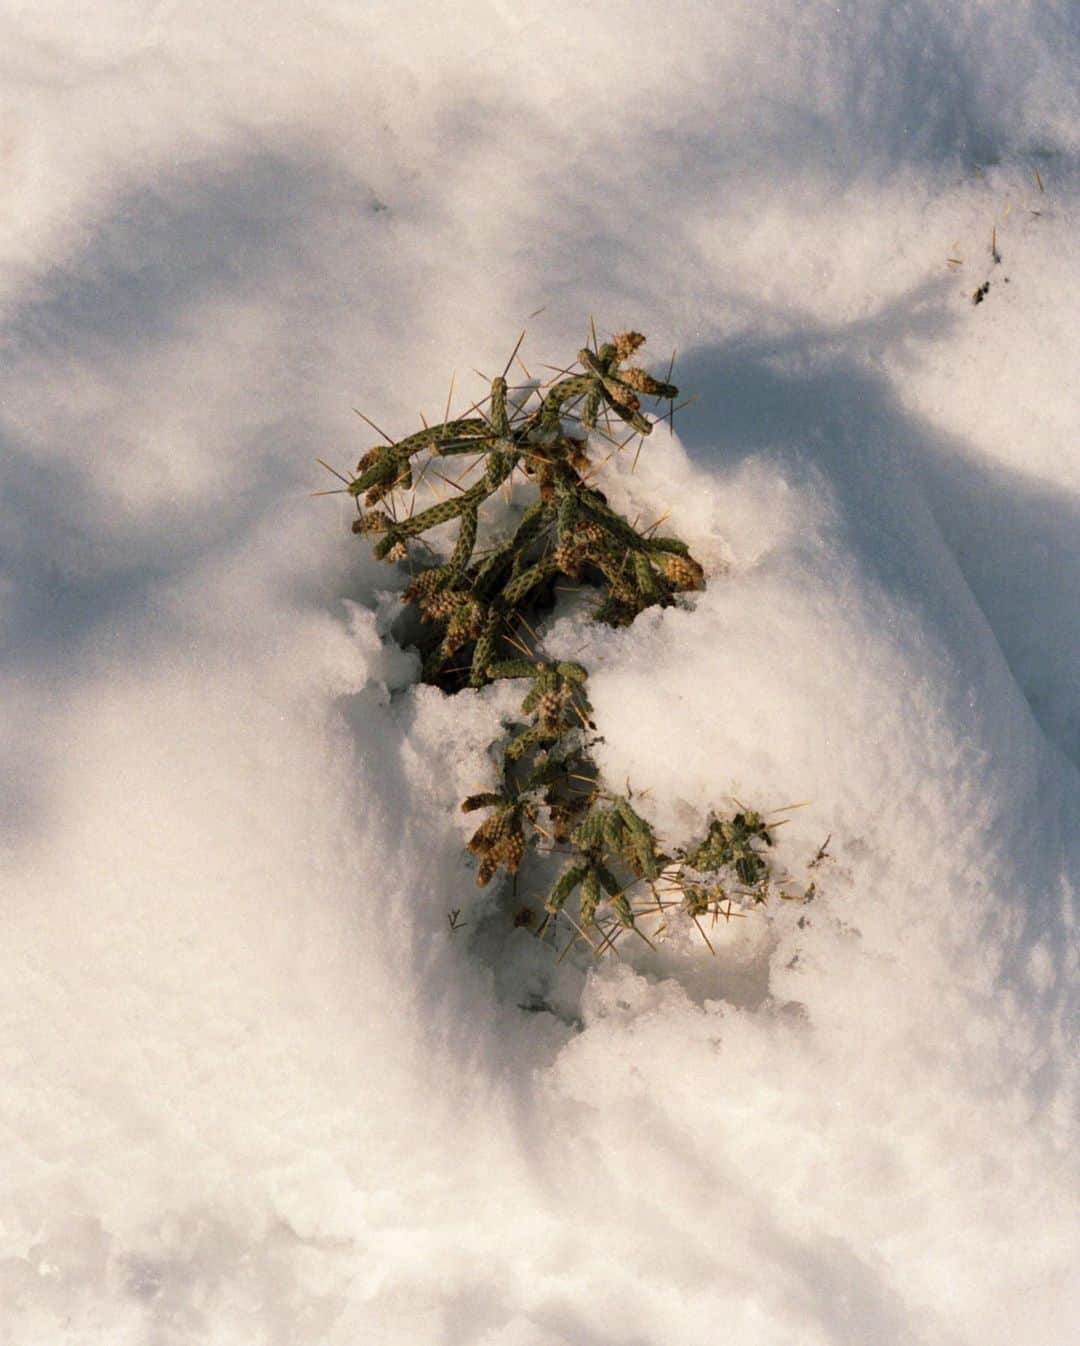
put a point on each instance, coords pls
(254, 1090)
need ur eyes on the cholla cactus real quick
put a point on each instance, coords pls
(475, 603)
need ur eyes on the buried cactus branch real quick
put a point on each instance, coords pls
(617, 871)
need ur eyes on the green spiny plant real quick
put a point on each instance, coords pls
(477, 600)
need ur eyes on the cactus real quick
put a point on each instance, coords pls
(568, 530)
(475, 606)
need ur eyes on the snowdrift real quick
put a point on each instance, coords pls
(255, 1089)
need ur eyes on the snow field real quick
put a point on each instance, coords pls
(255, 1090)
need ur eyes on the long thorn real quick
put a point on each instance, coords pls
(609, 939)
(454, 484)
(378, 429)
(560, 373)
(581, 932)
(529, 628)
(513, 353)
(333, 471)
(513, 640)
(596, 468)
(688, 403)
(704, 936)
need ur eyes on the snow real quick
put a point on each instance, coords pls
(255, 1089)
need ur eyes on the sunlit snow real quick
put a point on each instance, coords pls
(254, 1088)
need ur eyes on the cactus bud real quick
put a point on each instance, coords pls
(549, 711)
(376, 521)
(642, 382)
(683, 572)
(622, 394)
(568, 559)
(626, 343)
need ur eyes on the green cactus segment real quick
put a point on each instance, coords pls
(552, 409)
(513, 668)
(502, 459)
(667, 544)
(641, 848)
(619, 395)
(624, 913)
(603, 516)
(609, 882)
(441, 513)
(499, 420)
(466, 539)
(522, 585)
(647, 580)
(564, 887)
(589, 836)
(431, 437)
(590, 896)
(484, 654)
(521, 743)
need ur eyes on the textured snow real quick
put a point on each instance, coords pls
(254, 1089)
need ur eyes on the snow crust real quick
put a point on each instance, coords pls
(254, 1089)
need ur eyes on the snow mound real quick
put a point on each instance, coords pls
(255, 1088)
